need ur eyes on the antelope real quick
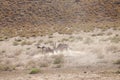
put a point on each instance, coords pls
(60, 47)
(45, 49)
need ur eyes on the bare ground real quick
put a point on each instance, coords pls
(62, 74)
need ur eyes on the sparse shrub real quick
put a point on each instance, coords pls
(79, 38)
(50, 36)
(58, 59)
(3, 38)
(99, 34)
(3, 51)
(118, 72)
(48, 42)
(88, 41)
(15, 43)
(40, 41)
(64, 40)
(7, 68)
(115, 39)
(2, 68)
(109, 33)
(71, 38)
(44, 65)
(58, 66)
(100, 56)
(34, 71)
(26, 43)
(28, 48)
(117, 62)
(18, 40)
(17, 53)
(113, 49)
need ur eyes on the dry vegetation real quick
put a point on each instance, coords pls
(88, 52)
(83, 55)
(41, 17)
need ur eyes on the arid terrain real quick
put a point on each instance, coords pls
(91, 55)
(41, 17)
(59, 40)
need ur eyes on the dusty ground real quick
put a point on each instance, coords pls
(86, 55)
(90, 56)
(61, 74)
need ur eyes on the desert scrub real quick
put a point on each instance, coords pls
(117, 72)
(64, 40)
(44, 64)
(113, 48)
(58, 59)
(99, 34)
(34, 71)
(16, 43)
(48, 42)
(58, 66)
(7, 68)
(18, 39)
(115, 39)
(117, 62)
(50, 36)
(3, 38)
(88, 41)
(3, 51)
(25, 42)
(39, 42)
(18, 52)
(79, 38)
(71, 38)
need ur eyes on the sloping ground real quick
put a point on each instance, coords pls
(30, 16)
(58, 11)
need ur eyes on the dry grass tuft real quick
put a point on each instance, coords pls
(3, 38)
(115, 39)
(34, 71)
(44, 64)
(7, 67)
(16, 43)
(25, 42)
(117, 62)
(88, 41)
(58, 59)
(117, 72)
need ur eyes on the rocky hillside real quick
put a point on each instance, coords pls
(36, 13)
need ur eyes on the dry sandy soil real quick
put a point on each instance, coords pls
(91, 55)
(61, 74)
